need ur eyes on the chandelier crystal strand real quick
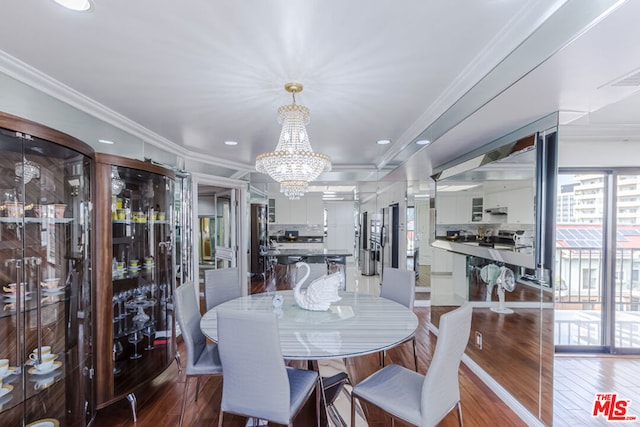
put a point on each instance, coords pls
(293, 163)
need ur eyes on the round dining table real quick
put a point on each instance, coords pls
(356, 325)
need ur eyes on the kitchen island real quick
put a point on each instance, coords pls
(321, 261)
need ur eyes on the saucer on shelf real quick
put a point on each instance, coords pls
(134, 268)
(45, 422)
(12, 296)
(53, 367)
(12, 370)
(149, 265)
(53, 290)
(5, 389)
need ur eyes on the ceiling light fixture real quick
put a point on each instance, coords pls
(27, 170)
(117, 184)
(231, 143)
(105, 141)
(77, 5)
(293, 163)
(423, 142)
(384, 142)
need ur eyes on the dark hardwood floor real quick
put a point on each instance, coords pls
(576, 380)
(160, 404)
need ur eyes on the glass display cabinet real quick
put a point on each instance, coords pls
(45, 273)
(135, 275)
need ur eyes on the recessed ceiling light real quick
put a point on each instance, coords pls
(384, 142)
(105, 141)
(231, 142)
(423, 142)
(77, 5)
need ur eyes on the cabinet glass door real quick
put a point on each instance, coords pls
(143, 278)
(45, 321)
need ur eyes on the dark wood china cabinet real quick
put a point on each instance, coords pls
(135, 275)
(45, 275)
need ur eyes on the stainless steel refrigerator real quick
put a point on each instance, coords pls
(389, 239)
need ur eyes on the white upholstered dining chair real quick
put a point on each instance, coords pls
(256, 382)
(221, 285)
(422, 400)
(400, 286)
(202, 358)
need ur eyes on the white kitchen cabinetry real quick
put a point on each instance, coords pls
(520, 205)
(518, 201)
(315, 209)
(307, 210)
(454, 209)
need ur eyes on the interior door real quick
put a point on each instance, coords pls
(226, 248)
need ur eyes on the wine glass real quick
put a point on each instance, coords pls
(117, 351)
(149, 332)
(134, 338)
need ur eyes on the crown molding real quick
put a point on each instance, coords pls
(36, 79)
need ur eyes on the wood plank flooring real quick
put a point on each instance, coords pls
(161, 405)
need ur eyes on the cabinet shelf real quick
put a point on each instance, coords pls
(8, 306)
(28, 220)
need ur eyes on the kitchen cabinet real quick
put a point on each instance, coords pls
(453, 209)
(136, 338)
(307, 210)
(520, 205)
(518, 201)
(45, 269)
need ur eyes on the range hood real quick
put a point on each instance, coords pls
(497, 211)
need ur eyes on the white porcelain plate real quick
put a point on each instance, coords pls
(45, 422)
(53, 290)
(12, 297)
(53, 367)
(5, 389)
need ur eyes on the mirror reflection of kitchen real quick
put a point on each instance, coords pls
(488, 201)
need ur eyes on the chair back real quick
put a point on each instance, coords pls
(255, 377)
(399, 286)
(440, 390)
(188, 316)
(221, 285)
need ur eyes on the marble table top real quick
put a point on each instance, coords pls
(358, 324)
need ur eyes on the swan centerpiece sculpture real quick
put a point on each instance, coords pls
(320, 293)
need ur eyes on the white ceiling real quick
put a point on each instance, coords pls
(199, 73)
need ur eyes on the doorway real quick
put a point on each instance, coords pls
(597, 263)
(219, 234)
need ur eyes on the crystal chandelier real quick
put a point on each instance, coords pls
(293, 163)
(117, 184)
(27, 170)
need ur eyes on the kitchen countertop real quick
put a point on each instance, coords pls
(309, 252)
(501, 252)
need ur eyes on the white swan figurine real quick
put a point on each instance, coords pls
(320, 293)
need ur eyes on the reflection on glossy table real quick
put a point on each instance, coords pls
(358, 324)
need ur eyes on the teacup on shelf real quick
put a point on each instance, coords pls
(11, 288)
(51, 283)
(4, 367)
(44, 351)
(46, 362)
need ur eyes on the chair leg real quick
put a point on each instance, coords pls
(383, 355)
(178, 362)
(353, 409)
(220, 417)
(184, 398)
(318, 401)
(459, 409)
(197, 387)
(415, 355)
